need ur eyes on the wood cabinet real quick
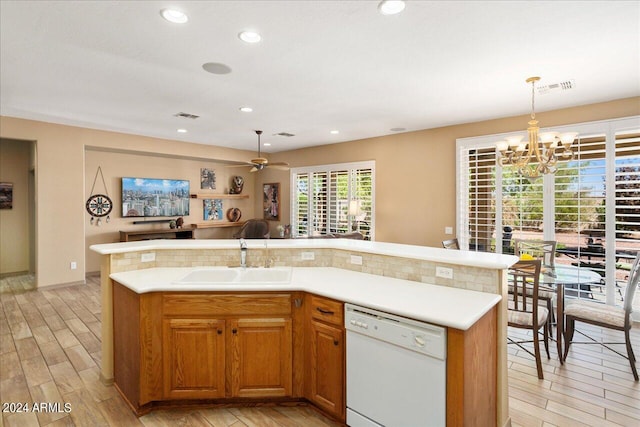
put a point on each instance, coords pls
(261, 357)
(325, 344)
(171, 346)
(194, 358)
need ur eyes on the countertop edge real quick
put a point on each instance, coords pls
(471, 305)
(425, 253)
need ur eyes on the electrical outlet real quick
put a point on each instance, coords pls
(308, 256)
(148, 257)
(356, 260)
(448, 230)
(73, 265)
(444, 272)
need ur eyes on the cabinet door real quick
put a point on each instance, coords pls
(260, 357)
(327, 367)
(194, 358)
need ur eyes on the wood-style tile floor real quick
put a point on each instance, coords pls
(50, 352)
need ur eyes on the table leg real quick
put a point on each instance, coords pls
(560, 320)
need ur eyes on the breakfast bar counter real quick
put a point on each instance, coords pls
(454, 289)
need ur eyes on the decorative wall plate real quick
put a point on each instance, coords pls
(99, 205)
(234, 214)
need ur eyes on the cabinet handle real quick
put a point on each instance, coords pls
(336, 342)
(323, 311)
(234, 331)
(219, 331)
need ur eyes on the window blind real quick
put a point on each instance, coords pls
(333, 199)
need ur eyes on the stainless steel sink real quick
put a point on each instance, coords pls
(225, 275)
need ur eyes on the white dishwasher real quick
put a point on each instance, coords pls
(396, 370)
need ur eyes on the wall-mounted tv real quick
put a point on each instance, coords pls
(145, 197)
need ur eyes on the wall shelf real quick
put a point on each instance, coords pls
(214, 224)
(211, 196)
(164, 233)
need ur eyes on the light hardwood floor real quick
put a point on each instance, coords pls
(50, 352)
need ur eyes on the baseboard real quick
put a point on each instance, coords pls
(13, 274)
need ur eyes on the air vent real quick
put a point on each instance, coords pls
(556, 87)
(283, 134)
(186, 116)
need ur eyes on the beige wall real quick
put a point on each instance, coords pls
(415, 179)
(415, 171)
(60, 185)
(115, 165)
(14, 223)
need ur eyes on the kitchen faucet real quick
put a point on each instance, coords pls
(243, 253)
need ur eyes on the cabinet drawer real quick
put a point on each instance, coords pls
(206, 304)
(327, 310)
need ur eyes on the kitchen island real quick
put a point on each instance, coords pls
(399, 279)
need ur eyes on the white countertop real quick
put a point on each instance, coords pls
(467, 258)
(441, 305)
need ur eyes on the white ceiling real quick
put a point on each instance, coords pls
(322, 65)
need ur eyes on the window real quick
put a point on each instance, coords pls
(591, 205)
(333, 199)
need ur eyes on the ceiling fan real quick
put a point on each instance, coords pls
(260, 162)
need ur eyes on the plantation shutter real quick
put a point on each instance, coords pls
(477, 198)
(363, 187)
(300, 211)
(333, 199)
(339, 203)
(627, 203)
(320, 213)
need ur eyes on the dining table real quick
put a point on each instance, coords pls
(558, 277)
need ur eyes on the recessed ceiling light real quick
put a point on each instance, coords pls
(250, 36)
(391, 7)
(216, 68)
(335, 132)
(182, 131)
(397, 129)
(246, 109)
(174, 15)
(267, 144)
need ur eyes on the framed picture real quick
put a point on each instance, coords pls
(207, 179)
(271, 201)
(6, 195)
(212, 209)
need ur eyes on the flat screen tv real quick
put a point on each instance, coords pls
(149, 197)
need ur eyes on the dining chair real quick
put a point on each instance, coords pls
(524, 312)
(544, 250)
(451, 244)
(254, 229)
(606, 316)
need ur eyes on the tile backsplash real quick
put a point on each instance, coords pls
(465, 277)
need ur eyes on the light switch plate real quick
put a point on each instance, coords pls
(448, 230)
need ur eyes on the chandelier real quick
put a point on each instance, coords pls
(540, 154)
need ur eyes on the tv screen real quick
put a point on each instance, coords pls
(144, 197)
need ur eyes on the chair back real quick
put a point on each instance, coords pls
(450, 244)
(254, 229)
(544, 250)
(525, 278)
(632, 285)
